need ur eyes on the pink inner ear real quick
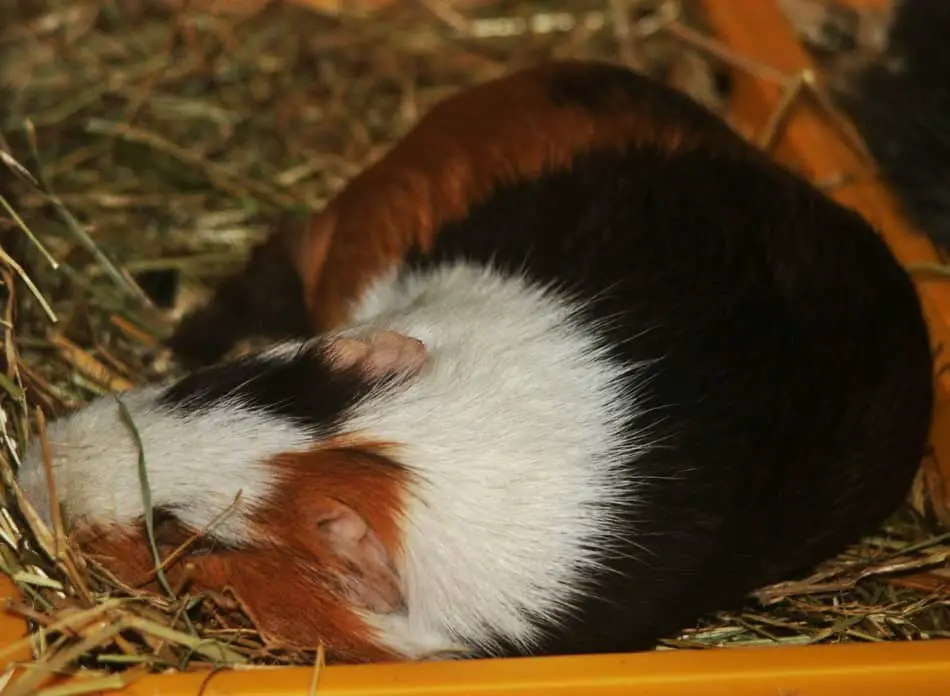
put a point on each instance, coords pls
(340, 524)
(369, 580)
(379, 353)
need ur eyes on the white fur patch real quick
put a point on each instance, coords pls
(198, 463)
(515, 435)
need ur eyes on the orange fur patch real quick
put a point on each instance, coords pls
(289, 582)
(360, 474)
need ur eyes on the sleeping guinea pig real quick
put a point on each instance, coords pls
(608, 400)
(308, 276)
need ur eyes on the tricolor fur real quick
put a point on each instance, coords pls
(608, 400)
(305, 276)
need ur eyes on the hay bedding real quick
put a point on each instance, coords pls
(146, 145)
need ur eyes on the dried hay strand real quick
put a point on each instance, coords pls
(146, 145)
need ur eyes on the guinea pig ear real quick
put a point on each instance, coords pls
(368, 580)
(379, 354)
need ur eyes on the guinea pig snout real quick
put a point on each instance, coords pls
(249, 491)
(65, 461)
(34, 483)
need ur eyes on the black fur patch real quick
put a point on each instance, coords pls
(603, 87)
(792, 393)
(161, 286)
(264, 299)
(303, 389)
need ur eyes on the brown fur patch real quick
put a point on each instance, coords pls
(513, 128)
(360, 474)
(510, 129)
(289, 581)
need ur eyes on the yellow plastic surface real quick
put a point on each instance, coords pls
(755, 28)
(918, 669)
(904, 669)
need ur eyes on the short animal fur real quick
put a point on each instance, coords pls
(307, 276)
(605, 399)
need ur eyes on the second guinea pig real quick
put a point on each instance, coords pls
(606, 401)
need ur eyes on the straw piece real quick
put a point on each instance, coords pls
(24, 276)
(87, 364)
(71, 223)
(318, 665)
(132, 331)
(29, 233)
(16, 167)
(213, 650)
(220, 176)
(15, 392)
(59, 533)
(146, 496)
(42, 671)
(77, 687)
(213, 524)
(23, 578)
(71, 621)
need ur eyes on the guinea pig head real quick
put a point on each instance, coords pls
(257, 487)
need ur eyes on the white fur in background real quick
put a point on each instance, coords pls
(514, 433)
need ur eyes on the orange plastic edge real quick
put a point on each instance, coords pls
(756, 29)
(922, 669)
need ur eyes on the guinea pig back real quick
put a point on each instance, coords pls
(308, 275)
(606, 400)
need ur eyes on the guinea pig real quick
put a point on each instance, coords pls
(309, 275)
(899, 99)
(604, 402)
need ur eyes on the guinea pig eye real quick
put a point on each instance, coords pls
(203, 546)
(171, 535)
